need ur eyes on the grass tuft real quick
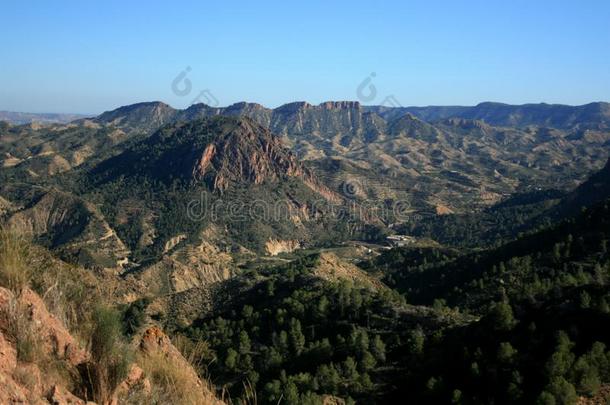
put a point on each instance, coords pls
(14, 270)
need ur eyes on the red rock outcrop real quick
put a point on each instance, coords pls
(23, 382)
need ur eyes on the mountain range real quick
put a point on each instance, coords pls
(319, 254)
(19, 118)
(394, 165)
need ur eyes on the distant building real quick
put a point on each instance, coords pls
(400, 240)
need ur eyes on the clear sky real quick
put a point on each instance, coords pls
(87, 57)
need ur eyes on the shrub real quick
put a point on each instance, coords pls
(110, 355)
(134, 316)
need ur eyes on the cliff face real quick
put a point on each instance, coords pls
(345, 121)
(248, 153)
(275, 247)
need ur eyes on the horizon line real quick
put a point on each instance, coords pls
(86, 115)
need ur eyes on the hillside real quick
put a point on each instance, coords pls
(498, 114)
(222, 172)
(18, 118)
(558, 146)
(454, 164)
(61, 342)
(249, 245)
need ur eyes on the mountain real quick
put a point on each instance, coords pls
(453, 157)
(218, 151)
(450, 165)
(141, 116)
(593, 115)
(344, 121)
(19, 118)
(256, 240)
(337, 121)
(223, 173)
(592, 191)
(33, 150)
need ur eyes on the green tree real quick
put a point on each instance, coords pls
(416, 341)
(273, 391)
(586, 376)
(456, 397)
(546, 398)
(506, 352)
(502, 317)
(231, 359)
(561, 360)
(328, 378)
(563, 391)
(244, 343)
(297, 338)
(367, 362)
(291, 393)
(272, 359)
(350, 369)
(585, 300)
(378, 349)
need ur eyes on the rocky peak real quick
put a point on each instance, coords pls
(292, 108)
(464, 123)
(248, 153)
(243, 106)
(341, 105)
(411, 126)
(145, 116)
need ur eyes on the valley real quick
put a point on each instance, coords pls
(333, 253)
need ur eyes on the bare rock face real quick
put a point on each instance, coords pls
(27, 382)
(8, 356)
(275, 247)
(24, 382)
(59, 396)
(185, 267)
(332, 268)
(248, 153)
(331, 105)
(55, 335)
(51, 332)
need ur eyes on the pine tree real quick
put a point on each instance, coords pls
(297, 338)
(378, 349)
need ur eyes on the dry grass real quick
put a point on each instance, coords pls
(199, 354)
(110, 355)
(69, 292)
(15, 273)
(25, 377)
(173, 383)
(20, 329)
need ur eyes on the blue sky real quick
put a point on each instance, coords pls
(87, 57)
